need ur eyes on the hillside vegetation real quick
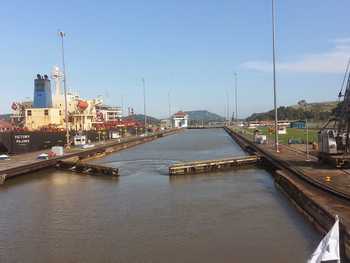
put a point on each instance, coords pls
(204, 115)
(5, 117)
(141, 118)
(193, 116)
(319, 111)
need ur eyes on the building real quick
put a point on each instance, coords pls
(282, 130)
(267, 123)
(285, 123)
(253, 124)
(298, 124)
(180, 120)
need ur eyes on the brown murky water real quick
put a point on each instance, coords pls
(145, 216)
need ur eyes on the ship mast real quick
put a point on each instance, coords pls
(62, 35)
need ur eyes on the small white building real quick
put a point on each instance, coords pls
(282, 130)
(180, 119)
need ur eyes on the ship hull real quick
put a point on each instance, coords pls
(17, 142)
(21, 142)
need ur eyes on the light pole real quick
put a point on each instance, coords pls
(144, 103)
(228, 107)
(274, 74)
(122, 102)
(307, 140)
(62, 35)
(169, 104)
(307, 136)
(236, 98)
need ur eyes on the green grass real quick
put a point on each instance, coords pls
(292, 133)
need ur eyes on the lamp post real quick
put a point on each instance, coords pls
(169, 104)
(307, 135)
(122, 102)
(274, 74)
(228, 108)
(307, 140)
(236, 98)
(144, 103)
(62, 35)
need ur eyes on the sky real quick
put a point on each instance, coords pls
(189, 49)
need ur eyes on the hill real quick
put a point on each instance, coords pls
(141, 118)
(5, 117)
(204, 115)
(327, 106)
(317, 111)
(194, 116)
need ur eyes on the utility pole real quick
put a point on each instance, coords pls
(228, 107)
(236, 98)
(169, 104)
(62, 35)
(144, 103)
(122, 102)
(307, 135)
(307, 140)
(225, 113)
(274, 74)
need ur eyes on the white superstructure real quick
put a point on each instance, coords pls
(82, 113)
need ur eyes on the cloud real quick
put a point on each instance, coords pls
(331, 61)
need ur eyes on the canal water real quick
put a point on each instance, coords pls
(145, 216)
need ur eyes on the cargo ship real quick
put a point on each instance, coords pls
(40, 124)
